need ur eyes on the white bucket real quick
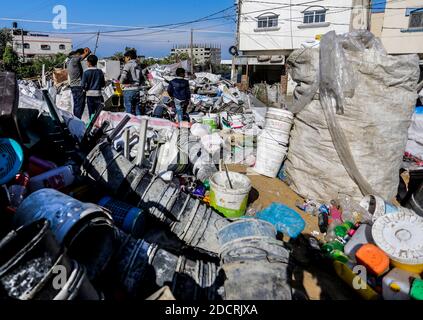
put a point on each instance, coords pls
(270, 156)
(280, 125)
(279, 137)
(231, 202)
(279, 114)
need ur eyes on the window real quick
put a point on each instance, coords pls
(416, 20)
(26, 45)
(315, 16)
(268, 20)
(45, 47)
(62, 47)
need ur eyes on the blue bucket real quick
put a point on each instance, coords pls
(126, 217)
(11, 159)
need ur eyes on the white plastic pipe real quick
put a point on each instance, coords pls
(142, 141)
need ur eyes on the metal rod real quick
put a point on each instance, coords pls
(227, 175)
(142, 141)
(126, 143)
(118, 128)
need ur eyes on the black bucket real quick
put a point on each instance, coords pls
(144, 268)
(29, 262)
(85, 229)
(189, 219)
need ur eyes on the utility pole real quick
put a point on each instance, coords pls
(233, 71)
(96, 42)
(23, 47)
(192, 51)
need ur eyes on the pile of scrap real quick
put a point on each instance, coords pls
(143, 207)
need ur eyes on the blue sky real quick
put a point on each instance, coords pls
(124, 13)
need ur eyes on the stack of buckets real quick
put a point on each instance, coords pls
(272, 143)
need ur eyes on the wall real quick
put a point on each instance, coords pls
(377, 23)
(290, 22)
(395, 20)
(36, 42)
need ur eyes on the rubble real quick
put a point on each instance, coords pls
(143, 207)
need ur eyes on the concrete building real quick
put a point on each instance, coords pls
(203, 53)
(37, 45)
(400, 26)
(268, 31)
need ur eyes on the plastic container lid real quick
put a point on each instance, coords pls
(400, 235)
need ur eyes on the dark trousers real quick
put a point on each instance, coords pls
(131, 99)
(78, 101)
(94, 103)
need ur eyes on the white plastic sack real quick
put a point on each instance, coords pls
(415, 135)
(199, 130)
(375, 123)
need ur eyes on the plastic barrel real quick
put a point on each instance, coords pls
(144, 268)
(84, 228)
(126, 217)
(190, 220)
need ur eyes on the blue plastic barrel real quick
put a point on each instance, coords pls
(126, 217)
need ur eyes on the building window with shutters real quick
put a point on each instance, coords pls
(416, 19)
(45, 47)
(62, 47)
(314, 16)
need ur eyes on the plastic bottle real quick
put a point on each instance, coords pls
(18, 189)
(397, 284)
(57, 178)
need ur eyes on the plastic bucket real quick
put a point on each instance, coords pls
(231, 202)
(270, 156)
(246, 228)
(280, 114)
(279, 125)
(126, 217)
(278, 137)
(27, 253)
(377, 206)
(84, 228)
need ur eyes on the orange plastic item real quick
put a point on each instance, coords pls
(373, 258)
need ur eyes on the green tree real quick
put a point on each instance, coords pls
(10, 59)
(5, 39)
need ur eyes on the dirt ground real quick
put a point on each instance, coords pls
(314, 282)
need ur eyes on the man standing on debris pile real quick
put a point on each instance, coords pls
(131, 79)
(93, 82)
(180, 92)
(75, 72)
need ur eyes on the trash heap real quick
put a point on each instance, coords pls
(140, 207)
(124, 206)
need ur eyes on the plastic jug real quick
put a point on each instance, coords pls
(57, 178)
(396, 284)
(361, 236)
(417, 289)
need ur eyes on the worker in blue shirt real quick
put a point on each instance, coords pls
(92, 83)
(180, 92)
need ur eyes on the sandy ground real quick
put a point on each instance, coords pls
(314, 282)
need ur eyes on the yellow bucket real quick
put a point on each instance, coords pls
(413, 268)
